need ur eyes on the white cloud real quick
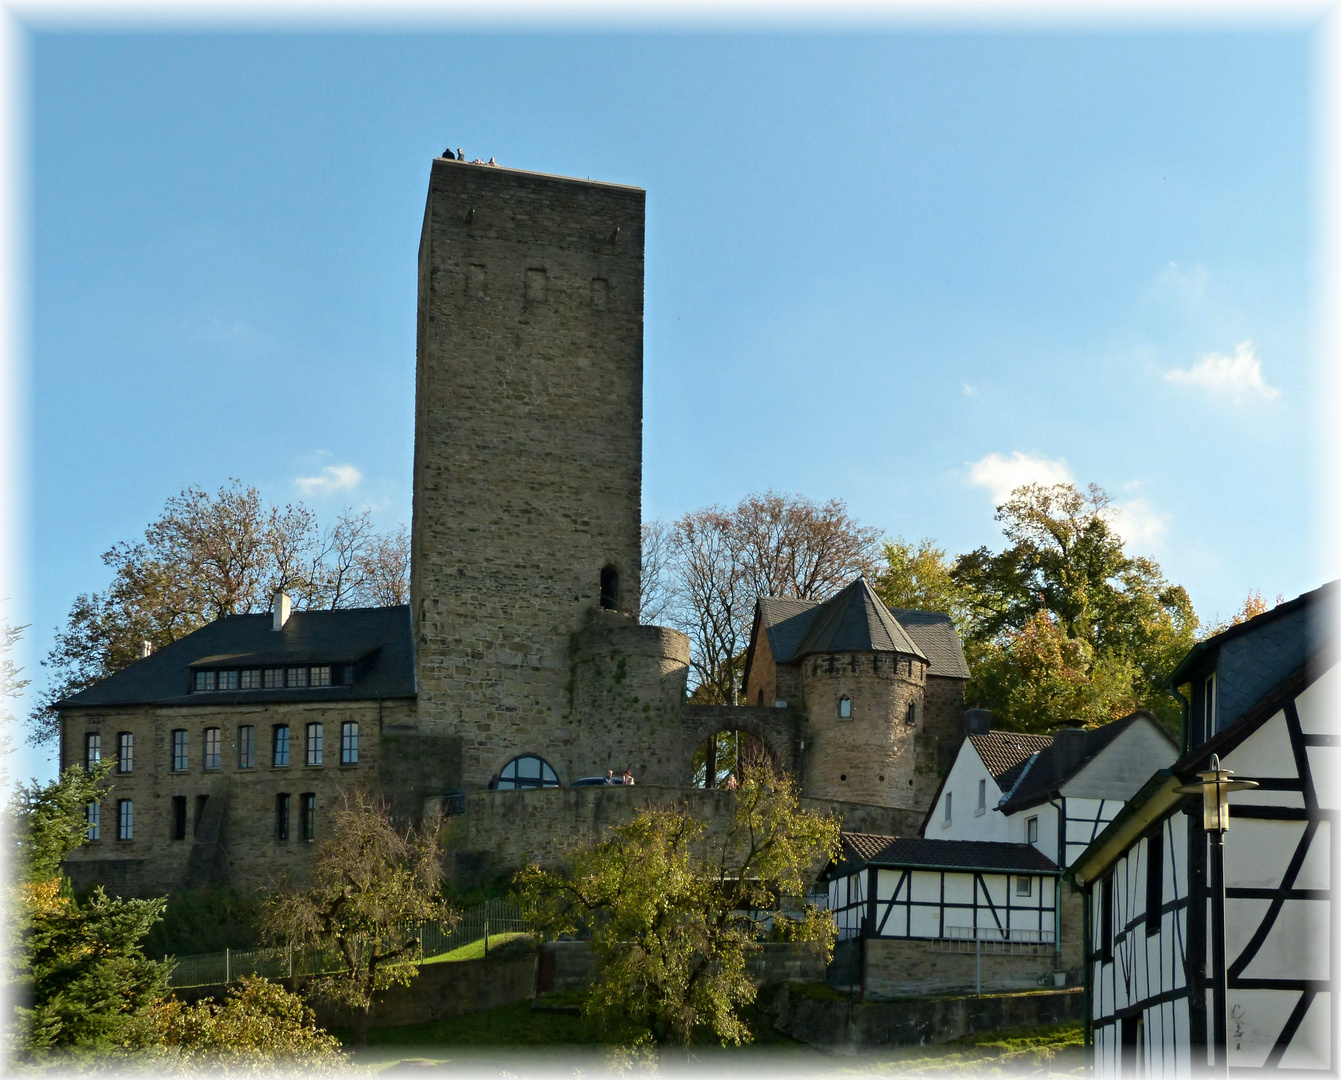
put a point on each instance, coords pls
(1002, 475)
(1137, 522)
(333, 478)
(970, 391)
(1237, 378)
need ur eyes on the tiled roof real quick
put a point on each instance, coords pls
(378, 640)
(1005, 752)
(1044, 777)
(862, 623)
(915, 851)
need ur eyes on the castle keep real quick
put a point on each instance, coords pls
(520, 665)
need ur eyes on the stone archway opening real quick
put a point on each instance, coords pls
(725, 755)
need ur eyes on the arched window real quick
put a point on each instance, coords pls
(845, 708)
(912, 712)
(527, 771)
(610, 588)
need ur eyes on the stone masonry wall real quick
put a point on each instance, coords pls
(869, 758)
(909, 968)
(501, 831)
(940, 730)
(528, 447)
(231, 811)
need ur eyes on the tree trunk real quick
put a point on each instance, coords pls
(361, 1026)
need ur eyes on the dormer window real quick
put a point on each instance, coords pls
(844, 708)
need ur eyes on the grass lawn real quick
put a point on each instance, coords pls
(474, 950)
(1052, 1051)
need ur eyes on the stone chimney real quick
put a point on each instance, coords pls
(1068, 749)
(977, 721)
(281, 607)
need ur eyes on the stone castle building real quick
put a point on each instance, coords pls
(520, 665)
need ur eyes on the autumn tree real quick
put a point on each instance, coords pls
(1064, 605)
(920, 576)
(676, 911)
(717, 562)
(369, 888)
(211, 555)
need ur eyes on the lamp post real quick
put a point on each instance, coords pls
(1214, 790)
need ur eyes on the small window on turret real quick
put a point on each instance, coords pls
(912, 712)
(845, 708)
(610, 588)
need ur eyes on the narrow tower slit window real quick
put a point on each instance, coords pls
(845, 708)
(982, 797)
(610, 588)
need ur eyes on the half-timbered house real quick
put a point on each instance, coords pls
(1263, 698)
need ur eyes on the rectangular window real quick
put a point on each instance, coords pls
(213, 747)
(125, 819)
(281, 817)
(204, 680)
(321, 676)
(1208, 703)
(314, 741)
(347, 674)
(1031, 830)
(1154, 880)
(349, 743)
(228, 680)
(982, 796)
(179, 817)
(125, 752)
(92, 749)
(274, 678)
(308, 806)
(281, 744)
(179, 758)
(949, 795)
(246, 746)
(1024, 886)
(251, 679)
(93, 816)
(297, 676)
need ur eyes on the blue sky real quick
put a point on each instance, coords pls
(903, 268)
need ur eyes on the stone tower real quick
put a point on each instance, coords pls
(528, 449)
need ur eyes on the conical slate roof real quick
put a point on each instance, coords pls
(856, 620)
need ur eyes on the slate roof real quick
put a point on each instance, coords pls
(1005, 753)
(856, 620)
(914, 851)
(378, 640)
(1044, 778)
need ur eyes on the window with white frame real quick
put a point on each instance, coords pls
(228, 680)
(251, 678)
(321, 676)
(297, 676)
(1024, 886)
(125, 819)
(1031, 829)
(349, 743)
(204, 680)
(92, 749)
(315, 739)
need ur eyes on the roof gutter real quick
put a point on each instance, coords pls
(1055, 872)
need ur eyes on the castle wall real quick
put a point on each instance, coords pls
(501, 831)
(231, 836)
(869, 758)
(528, 447)
(940, 730)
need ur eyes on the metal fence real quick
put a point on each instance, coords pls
(497, 916)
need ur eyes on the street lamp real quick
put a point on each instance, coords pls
(1214, 790)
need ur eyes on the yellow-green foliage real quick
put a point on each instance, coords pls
(675, 914)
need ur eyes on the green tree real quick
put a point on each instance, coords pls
(1123, 625)
(209, 555)
(259, 1027)
(676, 911)
(920, 577)
(79, 979)
(369, 888)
